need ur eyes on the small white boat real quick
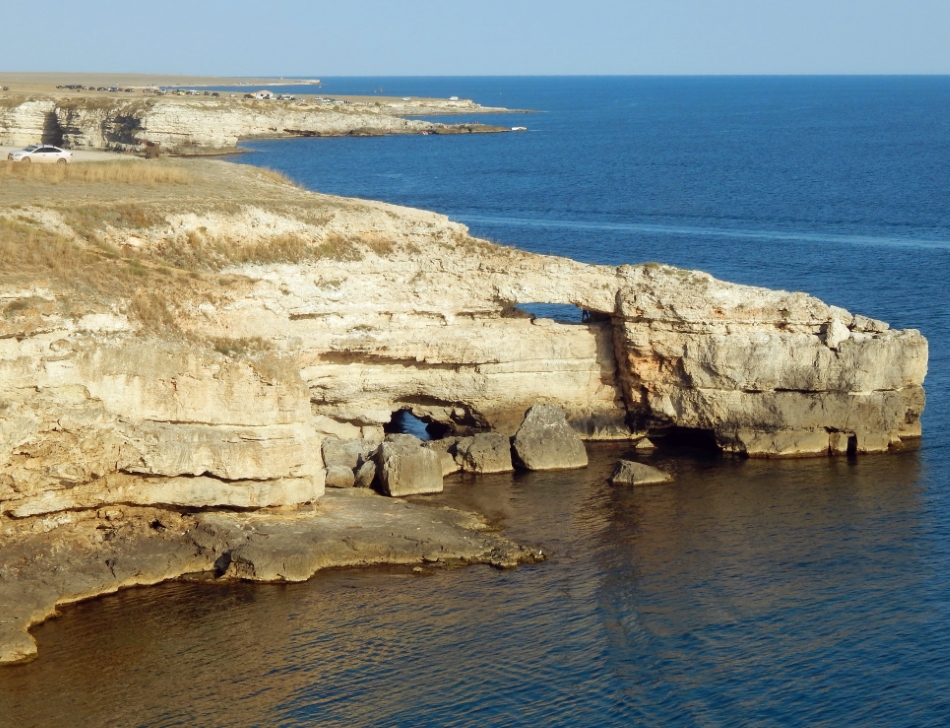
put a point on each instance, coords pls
(519, 128)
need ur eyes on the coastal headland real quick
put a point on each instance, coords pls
(191, 351)
(126, 113)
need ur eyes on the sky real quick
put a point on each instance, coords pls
(487, 37)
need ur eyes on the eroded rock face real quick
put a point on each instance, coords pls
(149, 423)
(210, 125)
(546, 442)
(98, 410)
(770, 373)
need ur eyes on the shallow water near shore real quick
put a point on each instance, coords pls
(752, 592)
(765, 593)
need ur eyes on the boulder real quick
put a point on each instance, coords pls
(366, 475)
(546, 442)
(403, 438)
(339, 476)
(405, 468)
(486, 452)
(629, 472)
(445, 448)
(346, 453)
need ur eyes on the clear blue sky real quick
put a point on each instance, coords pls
(485, 37)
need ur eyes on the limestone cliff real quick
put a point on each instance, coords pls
(186, 335)
(197, 125)
(318, 317)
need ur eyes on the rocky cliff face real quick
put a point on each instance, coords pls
(205, 125)
(768, 373)
(193, 344)
(409, 313)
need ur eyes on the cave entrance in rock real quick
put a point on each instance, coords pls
(404, 422)
(565, 313)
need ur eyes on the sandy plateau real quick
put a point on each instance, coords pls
(186, 344)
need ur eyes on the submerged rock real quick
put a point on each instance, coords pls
(629, 472)
(545, 441)
(46, 563)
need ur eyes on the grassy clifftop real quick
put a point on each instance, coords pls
(146, 238)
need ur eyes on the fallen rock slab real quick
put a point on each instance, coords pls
(629, 472)
(404, 468)
(366, 475)
(545, 441)
(346, 453)
(340, 476)
(486, 452)
(446, 449)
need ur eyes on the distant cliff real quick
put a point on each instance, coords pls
(203, 125)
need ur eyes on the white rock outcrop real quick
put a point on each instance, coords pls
(208, 125)
(416, 316)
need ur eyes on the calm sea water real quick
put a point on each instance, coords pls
(750, 593)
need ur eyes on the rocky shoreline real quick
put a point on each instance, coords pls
(79, 555)
(202, 126)
(192, 353)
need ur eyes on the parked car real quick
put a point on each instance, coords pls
(42, 154)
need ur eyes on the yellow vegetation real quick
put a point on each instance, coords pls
(92, 275)
(126, 172)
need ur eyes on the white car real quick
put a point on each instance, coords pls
(41, 153)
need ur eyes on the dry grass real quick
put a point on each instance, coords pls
(136, 173)
(274, 176)
(93, 277)
(89, 220)
(200, 252)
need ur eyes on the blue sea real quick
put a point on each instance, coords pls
(751, 593)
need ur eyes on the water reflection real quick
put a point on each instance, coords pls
(751, 592)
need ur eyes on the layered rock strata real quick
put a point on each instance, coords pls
(196, 126)
(412, 314)
(197, 347)
(768, 373)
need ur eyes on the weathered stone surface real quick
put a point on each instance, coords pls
(407, 468)
(630, 472)
(347, 453)
(546, 442)
(446, 449)
(366, 474)
(198, 492)
(486, 452)
(340, 476)
(403, 439)
(769, 373)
